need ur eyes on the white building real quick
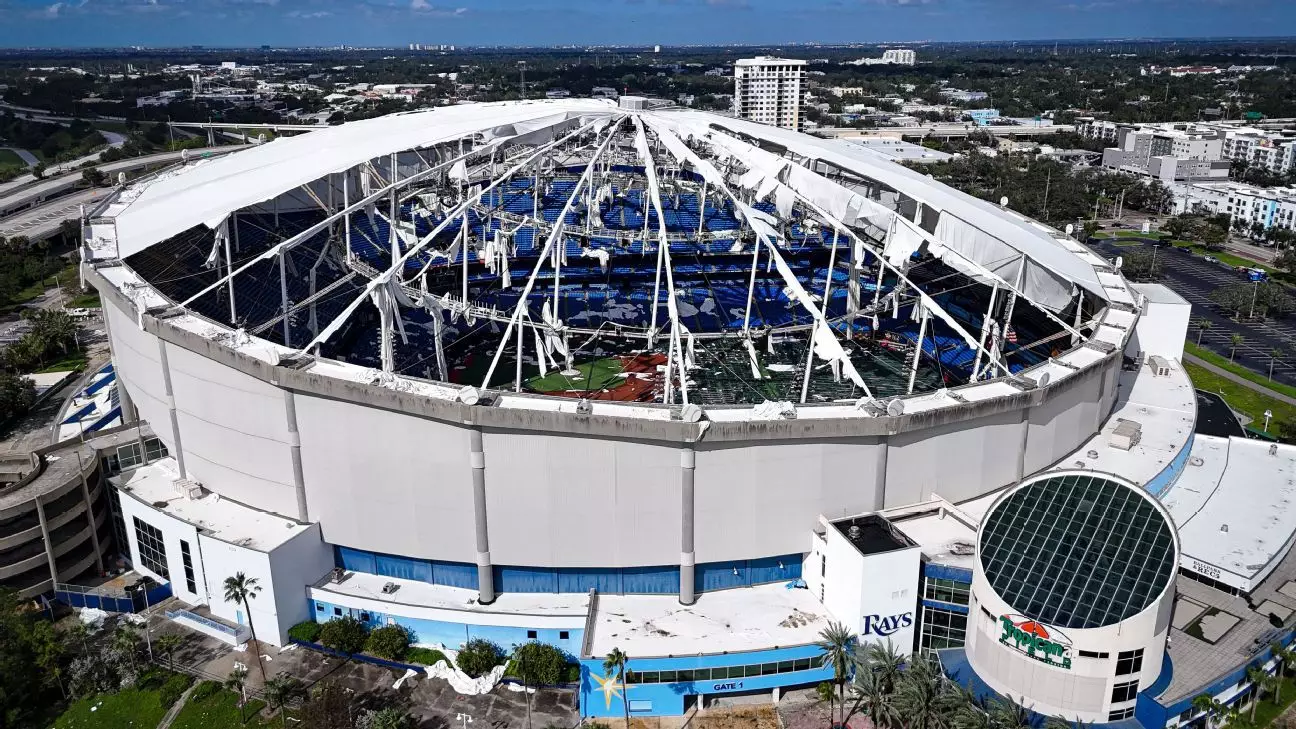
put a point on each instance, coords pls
(1171, 153)
(897, 56)
(1274, 152)
(1269, 206)
(768, 90)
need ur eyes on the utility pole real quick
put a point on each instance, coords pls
(522, 70)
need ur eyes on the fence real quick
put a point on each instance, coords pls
(109, 599)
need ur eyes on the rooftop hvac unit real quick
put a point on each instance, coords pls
(336, 575)
(188, 488)
(1126, 435)
(1160, 366)
(390, 588)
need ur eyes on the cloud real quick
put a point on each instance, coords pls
(308, 15)
(423, 7)
(53, 10)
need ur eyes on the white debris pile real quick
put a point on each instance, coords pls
(770, 410)
(461, 682)
(92, 618)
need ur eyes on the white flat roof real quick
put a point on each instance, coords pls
(741, 619)
(945, 533)
(425, 595)
(223, 519)
(1159, 293)
(1165, 407)
(1235, 511)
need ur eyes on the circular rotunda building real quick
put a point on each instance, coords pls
(1072, 594)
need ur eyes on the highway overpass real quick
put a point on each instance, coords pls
(943, 131)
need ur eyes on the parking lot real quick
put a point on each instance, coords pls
(1194, 278)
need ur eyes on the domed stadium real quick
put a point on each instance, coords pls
(573, 345)
(588, 251)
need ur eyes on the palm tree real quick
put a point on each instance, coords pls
(1203, 325)
(1235, 341)
(281, 690)
(838, 646)
(126, 641)
(1008, 714)
(1285, 657)
(884, 660)
(167, 645)
(869, 697)
(1210, 707)
(922, 697)
(1260, 682)
(239, 589)
(968, 712)
(1274, 354)
(389, 718)
(615, 664)
(237, 682)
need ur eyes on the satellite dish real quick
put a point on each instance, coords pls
(1003, 201)
(1119, 261)
(468, 395)
(691, 413)
(121, 178)
(895, 408)
(261, 138)
(1070, 229)
(1044, 379)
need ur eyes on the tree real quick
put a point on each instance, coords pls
(838, 646)
(237, 682)
(1213, 237)
(1211, 708)
(1286, 657)
(1202, 326)
(390, 642)
(345, 634)
(870, 697)
(884, 660)
(281, 691)
(49, 649)
(167, 645)
(1274, 354)
(922, 697)
(1139, 265)
(1260, 682)
(94, 177)
(239, 589)
(1177, 227)
(388, 718)
(615, 664)
(478, 656)
(125, 641)
(328, 706)
(1008, 714)
(1235, 341)
(537, 664)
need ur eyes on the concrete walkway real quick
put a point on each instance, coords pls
(174, 711)
(1239, 379)
(28, 158)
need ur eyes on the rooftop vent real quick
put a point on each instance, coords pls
(853, 532)
(1125, 435)
(390, 588)
(962, 549)
(336, 575)
(1160, 366)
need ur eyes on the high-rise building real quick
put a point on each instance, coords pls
(901, 56)
(768, 90)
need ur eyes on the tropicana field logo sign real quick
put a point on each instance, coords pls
(1044, 643)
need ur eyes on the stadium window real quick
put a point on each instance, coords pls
(128, 456)
(152, 550)
(1123, 692)
(563, 635)
(1120, 714)
(188, 567)
(1094, 654)
(531, 635)
(1128, 662)
(153, 450)
(337, 612)
(319, 608)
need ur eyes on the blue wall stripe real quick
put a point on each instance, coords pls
(657, 580)
(945, 572)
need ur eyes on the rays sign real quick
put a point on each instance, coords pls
(1044, 643)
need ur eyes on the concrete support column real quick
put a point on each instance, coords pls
(90, 515)
(1023, 444)
(128, 412)
(688, 463)
(776, 694)
(880, 476)
(45, 536)
(294, 448)
(178, 449)
(485, 570)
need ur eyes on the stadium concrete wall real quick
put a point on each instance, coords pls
(391, 472)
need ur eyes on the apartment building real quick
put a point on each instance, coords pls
(768, 90)
(1269, 206)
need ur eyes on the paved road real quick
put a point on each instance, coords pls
(28, 158)
(1193, 278)
(1239, 379)
(43, 221)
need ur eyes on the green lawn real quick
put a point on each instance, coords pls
(10, 158)
(218, 711)
(129, 709)
(1260, 378)
(1240, 397)
(70, 362)
(88, 300)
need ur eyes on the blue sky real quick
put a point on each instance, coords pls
(553, 22)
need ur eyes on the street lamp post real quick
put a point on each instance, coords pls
(1267, 414)
(464, 719)
(1255, 290)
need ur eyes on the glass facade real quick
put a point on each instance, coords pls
(726, 672)
(942, 629)
(951, 591)
(152, 549)
(1077, 551)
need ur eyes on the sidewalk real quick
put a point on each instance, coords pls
(1239, 379)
